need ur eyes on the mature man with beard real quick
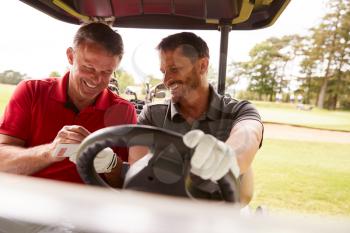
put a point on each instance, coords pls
(224, 132)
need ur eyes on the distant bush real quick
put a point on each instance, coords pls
(11, 77)
(345, 104)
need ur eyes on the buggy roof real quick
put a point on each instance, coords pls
(166, 14)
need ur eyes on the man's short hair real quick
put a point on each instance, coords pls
(192, 45)
(101, 34)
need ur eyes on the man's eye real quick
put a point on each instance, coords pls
(87, 69)
(107, 73)
(173, 70)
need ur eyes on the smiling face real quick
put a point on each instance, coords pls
(92, 68)
(182, 76)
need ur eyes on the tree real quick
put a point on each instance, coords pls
(236, 71)
(212, 76)
(11, 77)
(329, 53)
(344, 101)
(124, 79)
(266, 67)
(55, 74)
(341, 75)
(310, 84)
(152, 80)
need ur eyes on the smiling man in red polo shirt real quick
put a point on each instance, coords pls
(42, 114)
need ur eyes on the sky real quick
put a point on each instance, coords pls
(35, 44)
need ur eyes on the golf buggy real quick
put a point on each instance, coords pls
(158, 91)
(168, 170)
(96, 210)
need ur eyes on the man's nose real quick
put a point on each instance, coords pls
(165, 77)
(99, 77)
(96, 77)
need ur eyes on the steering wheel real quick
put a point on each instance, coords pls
(167, 171)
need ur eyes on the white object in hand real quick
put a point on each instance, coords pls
(65, 150)
(212, 158)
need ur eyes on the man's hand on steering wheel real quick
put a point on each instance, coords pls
(212, 158)
(104, 161)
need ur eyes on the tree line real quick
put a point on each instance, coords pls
(319, 62)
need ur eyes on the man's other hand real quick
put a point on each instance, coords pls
(69, 134)
(104, 161)
(212, 158)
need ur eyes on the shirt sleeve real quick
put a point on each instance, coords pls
(120, 114)
(244, 110)
(16, 119)
(144, 117)
(153, 114)
(132, 116)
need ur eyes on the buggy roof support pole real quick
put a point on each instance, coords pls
(225, 30)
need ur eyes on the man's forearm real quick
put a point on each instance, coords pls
(136, 153)
(245, 139)
(24, 161)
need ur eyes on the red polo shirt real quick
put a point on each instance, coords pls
(38, 109)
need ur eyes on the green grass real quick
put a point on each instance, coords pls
(316, 118)
(5, 94)
(303, 177)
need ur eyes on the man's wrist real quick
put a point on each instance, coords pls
(113, 163)
(234, 167)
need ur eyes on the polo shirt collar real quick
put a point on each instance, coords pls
(174, 110)
(212, 112)
(102, 101)
(59, 92)
(215, 98)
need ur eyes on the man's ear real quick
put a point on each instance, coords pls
(203, 65)
(70, 55)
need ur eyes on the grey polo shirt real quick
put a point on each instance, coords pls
(223, 113)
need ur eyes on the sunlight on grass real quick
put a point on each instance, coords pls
(5, 94)
(316, 118)
(305, 177)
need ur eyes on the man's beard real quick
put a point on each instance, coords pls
(188, 86)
